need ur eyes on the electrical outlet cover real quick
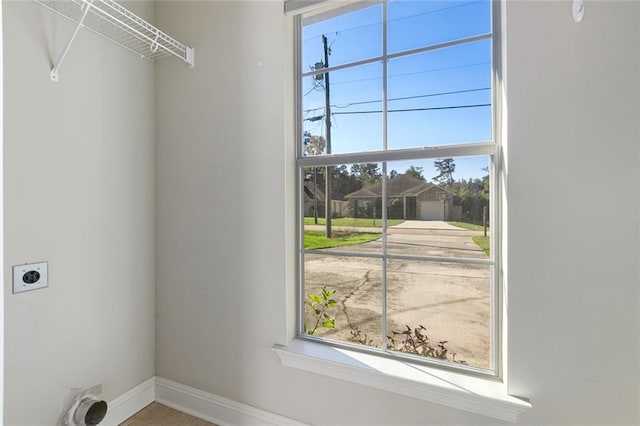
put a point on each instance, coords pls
(30, 276)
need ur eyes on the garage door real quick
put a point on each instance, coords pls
(431, 210)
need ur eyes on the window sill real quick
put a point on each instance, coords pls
(473, 394)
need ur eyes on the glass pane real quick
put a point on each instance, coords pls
(356, 216)
(429, 303)
(440, 97)
(349, 291)
(439, 207)
(355, 103)
(350, 37)
(414, 24)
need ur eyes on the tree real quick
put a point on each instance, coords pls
(393, 173)
(313, 144)
(367, 173)
(445, 168)
(416, 173)
(343, 182)
(485, 183)
(473, 198)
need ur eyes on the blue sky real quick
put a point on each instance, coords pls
(457, 77)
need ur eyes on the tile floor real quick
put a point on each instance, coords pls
(156, 414)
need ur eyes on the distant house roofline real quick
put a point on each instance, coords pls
(310, 191)
(399, 186)
(439, 188)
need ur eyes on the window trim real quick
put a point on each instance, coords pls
(478, 395)
(481, 394)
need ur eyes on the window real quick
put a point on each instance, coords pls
(397, 171)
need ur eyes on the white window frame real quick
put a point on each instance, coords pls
(486, 149)
(468, 389)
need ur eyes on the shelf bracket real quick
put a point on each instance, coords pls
(190, 56)
(85, 10)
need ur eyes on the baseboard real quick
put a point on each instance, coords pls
(200, 404)
(129, 403)
(213, 408)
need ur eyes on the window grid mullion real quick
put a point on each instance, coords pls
(496, 223)
(297, 93)
(431, 259)
(384, 283)
(424, 153)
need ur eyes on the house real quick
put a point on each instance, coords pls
(313, 199)
(408, 198)
(138, 183)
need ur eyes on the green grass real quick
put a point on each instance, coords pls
(359, 222)
(480, 241)
(316, 240)
(483, 243)
(469, 226)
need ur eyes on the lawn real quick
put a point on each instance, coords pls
(316, 240)
(469, 226)
(360, 222)
(482, 242)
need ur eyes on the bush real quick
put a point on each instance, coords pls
(320, 304)
(412, 341)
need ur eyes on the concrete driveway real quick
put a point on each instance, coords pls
(451, 300)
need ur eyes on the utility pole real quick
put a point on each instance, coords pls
(315, 195)
(327, 123)
(484, 219)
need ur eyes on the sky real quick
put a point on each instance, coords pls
(447, 90)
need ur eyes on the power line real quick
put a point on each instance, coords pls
(415, 97)
(454, 67)
(311, 90)
(414, 72)
(316, 128)
(429, 95)
(414, 109)
(399, 19)
(320, 117)
(436, 10)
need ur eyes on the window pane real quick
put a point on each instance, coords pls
(350, 37)
(414, 24)
(352, 299)
(440, 97)
(451, 301)
(356, 224)
(355, 102)
(444, 204)
(436, 209)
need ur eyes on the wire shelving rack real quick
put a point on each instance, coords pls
(116, 23)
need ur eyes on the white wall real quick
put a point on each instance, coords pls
(573, 193)
(220, 154)
(574, 118)
(1, 220)
(79, 193)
